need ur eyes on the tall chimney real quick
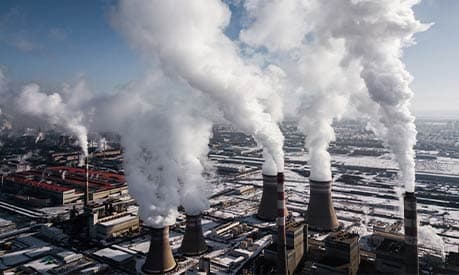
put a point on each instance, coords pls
(193, 242)
(268, 205)
(281, 234)
(86, 186)
(159, 257)
(321, 215)
(411, 234)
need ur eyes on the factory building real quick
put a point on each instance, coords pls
(390, 253)
(62, 185)
(295, 245)
(111, 219)
(41, 193)
(115, 226)
(342, 254)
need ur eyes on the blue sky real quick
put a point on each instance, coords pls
(51, 42)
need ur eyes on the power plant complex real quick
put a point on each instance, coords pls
(290, 251)
(255, 223)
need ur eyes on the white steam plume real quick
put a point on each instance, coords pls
(101, 145)
(187, 38)
(317, 88)
(164, 132)
(269, 166)
(375, 32)
(428, 238)
(52, 108)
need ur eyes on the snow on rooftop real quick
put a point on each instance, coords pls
(114, 255)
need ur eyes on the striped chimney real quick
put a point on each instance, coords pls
(411, 234)
(281, 235)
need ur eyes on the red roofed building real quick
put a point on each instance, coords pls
(64, 185)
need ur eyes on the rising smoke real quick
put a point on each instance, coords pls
(317, 88)
(187, 38)
(53, 109)
(367, 38)
(316, 60)
(164, 133)
(375, 32)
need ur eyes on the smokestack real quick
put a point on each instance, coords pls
(159, 257)
(321, 215)
(193, 241)
(411, 234)
(268, 204)
(86, 186)
(281, 235)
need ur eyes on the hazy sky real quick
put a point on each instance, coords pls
(51, 42)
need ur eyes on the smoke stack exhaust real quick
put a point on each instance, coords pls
(86, 185)
(159, 257)
(281, 234)
(411, 234)
(321, 215)
(193, 241)
(268, 204)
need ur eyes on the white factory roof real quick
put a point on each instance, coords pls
(119, 220)
(114, 255)
(43, 264)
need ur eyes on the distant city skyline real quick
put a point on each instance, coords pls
(52, 42)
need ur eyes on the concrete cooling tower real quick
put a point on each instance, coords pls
(267, 210)
(193, 241)
(321, 215)
(159, 258)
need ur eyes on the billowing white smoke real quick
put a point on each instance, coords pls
(40, 137)
(269, 166)
(187, 38)
(317, 88)
(102, 144)
(52, 108)
(372, 34)
(428, 238)
(375, 33)
(165, 134)
(195, 139)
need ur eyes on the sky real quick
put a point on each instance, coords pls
(51, 42)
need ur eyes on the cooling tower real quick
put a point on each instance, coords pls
(411, 234)
(159, 257)
(321, 215)
(267, 208)
(281, 234)
(193, 241)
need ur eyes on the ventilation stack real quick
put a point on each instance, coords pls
(86, 185)
(281, 234)
(267, 208)
(411, 234)
(193, 241)
(321, 215)
(159, 258)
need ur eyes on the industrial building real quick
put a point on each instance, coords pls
(111, 219)
(342, 254)
(61, 185)
(295, 244)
